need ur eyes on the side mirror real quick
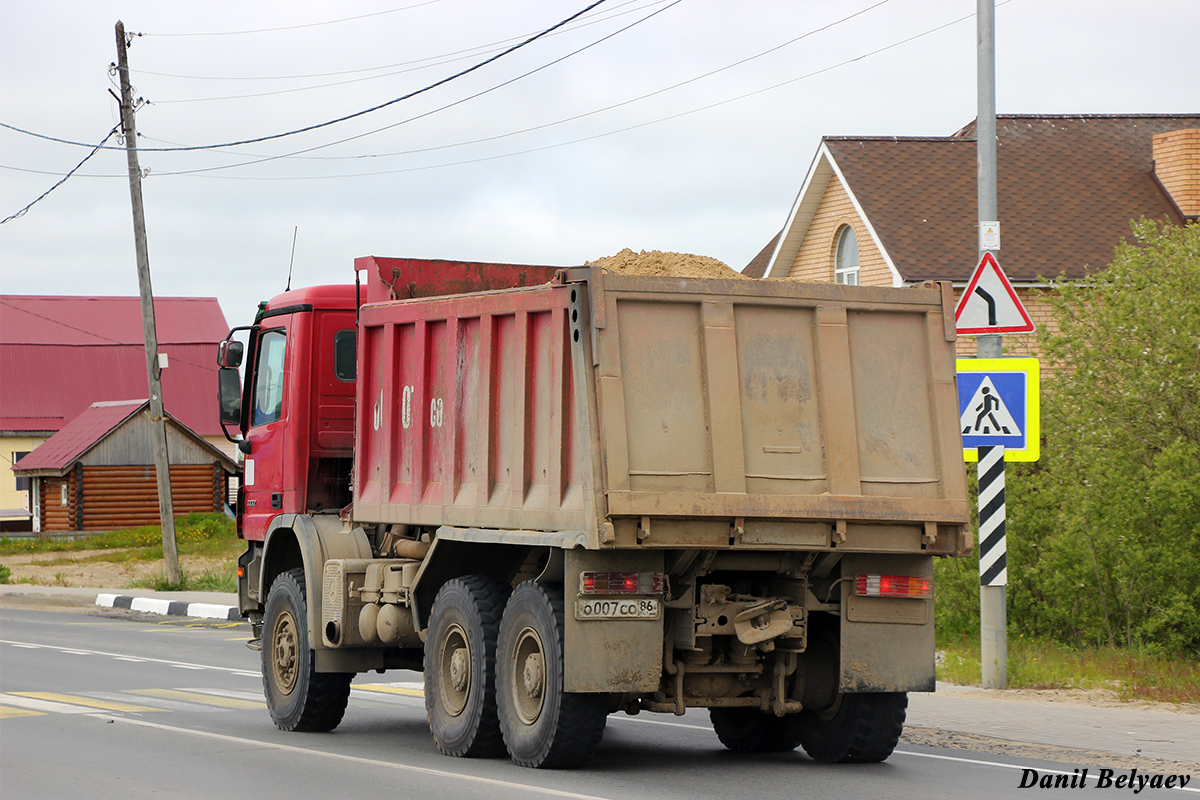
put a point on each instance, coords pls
(229, 354)
(229, 391)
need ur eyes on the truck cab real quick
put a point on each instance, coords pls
(295, 412)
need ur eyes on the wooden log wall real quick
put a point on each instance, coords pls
(105, 498)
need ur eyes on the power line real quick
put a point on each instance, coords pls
(607, 133)
(95, 150)
(297, 27)
(262, 159)
(445, 58)
(345, 118)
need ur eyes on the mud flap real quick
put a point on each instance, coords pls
(618, 655)
(886, 643)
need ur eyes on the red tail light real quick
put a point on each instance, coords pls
(652, 583)
(892, 586)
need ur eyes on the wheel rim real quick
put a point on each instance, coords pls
(285, 652)
(455, 672)
(529, 675)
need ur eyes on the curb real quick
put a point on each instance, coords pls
(153, 605)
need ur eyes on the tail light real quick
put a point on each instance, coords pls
(892, 586)
(652, 583)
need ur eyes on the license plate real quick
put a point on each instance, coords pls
(633, 608)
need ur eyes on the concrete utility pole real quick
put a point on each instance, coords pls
(993, 615)
(158, 417)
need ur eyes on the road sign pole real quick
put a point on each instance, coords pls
(992, 613)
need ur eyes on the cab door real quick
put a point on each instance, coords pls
(264, 466)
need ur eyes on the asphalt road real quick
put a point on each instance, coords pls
(111, 704)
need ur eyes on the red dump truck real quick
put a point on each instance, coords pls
(568, 493)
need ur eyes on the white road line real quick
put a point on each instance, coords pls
(232, 694)
(47, 706)
(182, 664)
(307, 753)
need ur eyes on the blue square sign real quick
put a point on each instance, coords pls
(998, 404)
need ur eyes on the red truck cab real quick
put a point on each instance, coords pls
(296, 414)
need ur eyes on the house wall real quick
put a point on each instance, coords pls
(814, 260)
(127, 496)
(12, 500)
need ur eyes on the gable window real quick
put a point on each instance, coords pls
(845, 264)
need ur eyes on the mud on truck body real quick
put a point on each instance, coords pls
(566, 493)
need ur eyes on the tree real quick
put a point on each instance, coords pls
(1110, 519)
(1104, 531)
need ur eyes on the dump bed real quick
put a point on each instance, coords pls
(609, 410)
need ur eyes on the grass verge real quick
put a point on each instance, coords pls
(1040, 664)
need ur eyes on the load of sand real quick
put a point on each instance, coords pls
(671, 265)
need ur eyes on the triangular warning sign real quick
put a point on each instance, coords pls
(986, 414)
(990, 305)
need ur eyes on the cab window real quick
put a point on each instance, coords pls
(268, 377)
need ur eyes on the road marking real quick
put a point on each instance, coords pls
(307, 753)
(389, 689)
(250, 697)
(628, 718)
(106, 705)
(44, 706)
(8, 712)
(196, 697)
(230, 670)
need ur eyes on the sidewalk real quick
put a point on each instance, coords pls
(1014, 724)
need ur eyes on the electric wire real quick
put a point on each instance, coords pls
(63, 180)
(558, 144)
(297, 27)
(437, 60)
(594, 136)
(263, 159)
(344, 118)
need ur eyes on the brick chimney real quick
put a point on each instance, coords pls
(1177, 167)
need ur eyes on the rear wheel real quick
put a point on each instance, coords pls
(543, 726)
(298, 697)
(460, 659)
(857, 729)
(748, 730)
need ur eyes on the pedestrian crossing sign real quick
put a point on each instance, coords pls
(998, 404)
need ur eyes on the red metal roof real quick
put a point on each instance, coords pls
(79, 434)
(58, 355)
(26, 319)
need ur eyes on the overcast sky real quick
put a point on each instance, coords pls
(655, 138)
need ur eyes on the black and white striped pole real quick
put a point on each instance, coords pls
(993, 568)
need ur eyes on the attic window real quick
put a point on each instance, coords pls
(845, 265)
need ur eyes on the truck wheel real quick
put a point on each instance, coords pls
(748, 730)
(460, 672)
(543, 726)
(858, 729)
(298, 697)
(739, 729)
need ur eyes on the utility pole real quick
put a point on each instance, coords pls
(158, 418)
(993, 615)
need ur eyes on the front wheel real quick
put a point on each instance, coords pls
(857, 729)
(298, 697)
(543, 725)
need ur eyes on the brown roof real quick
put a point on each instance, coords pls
(758, 265)
(1068, 187)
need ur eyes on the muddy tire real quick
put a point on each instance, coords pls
(859, 729)
(543, 726)
(298, 697)
(748, 730)
(739, 729)
(460, 671)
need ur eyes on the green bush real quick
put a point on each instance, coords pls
(1104, 531)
